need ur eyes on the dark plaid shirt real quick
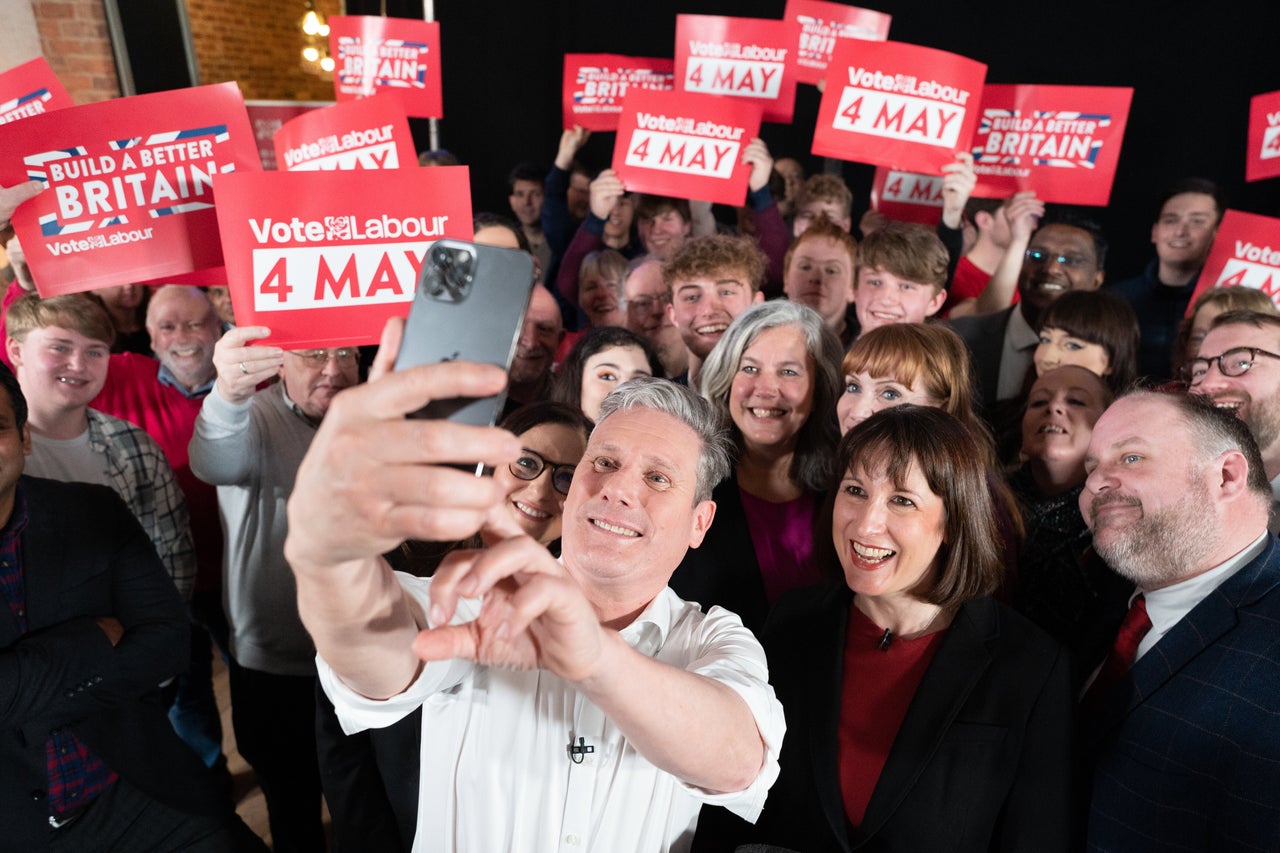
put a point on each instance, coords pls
(76, 775)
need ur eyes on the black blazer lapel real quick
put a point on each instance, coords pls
(824, 742)
(956, 668)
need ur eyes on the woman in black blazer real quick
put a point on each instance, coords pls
(774, 378)
(922, 715)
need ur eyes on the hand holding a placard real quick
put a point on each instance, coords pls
(756, 155)
(571, 142)
(11, 197)
(958, 181)
(18, 261)
(1024, 211)
(605, 191)
(241, 366)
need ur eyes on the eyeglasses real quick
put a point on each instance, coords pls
(1233, 362)
(530, 466)
(1040, 258)
(320, 357)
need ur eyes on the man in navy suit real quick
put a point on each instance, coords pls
(1187, 741)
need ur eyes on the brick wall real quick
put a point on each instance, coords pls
(258, 43)
(73, 36)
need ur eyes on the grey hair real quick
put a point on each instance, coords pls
(817, 439)
(663, 395)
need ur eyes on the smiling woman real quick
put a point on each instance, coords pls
(552, 437)
(921, 714)
(600, 361)
(1062, 586)
(773, 377)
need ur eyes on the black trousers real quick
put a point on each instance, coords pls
(273, 717)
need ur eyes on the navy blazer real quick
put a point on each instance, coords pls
(982, 761)
(84, 556)
(1188, 752)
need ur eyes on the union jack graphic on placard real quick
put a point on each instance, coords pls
(986, 125)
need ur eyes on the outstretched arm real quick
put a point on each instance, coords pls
(370, 480)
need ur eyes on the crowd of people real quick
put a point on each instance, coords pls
(903, 538)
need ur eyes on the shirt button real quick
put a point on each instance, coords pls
(571, 840)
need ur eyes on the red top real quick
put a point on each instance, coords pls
(876, 691)
(968, 283)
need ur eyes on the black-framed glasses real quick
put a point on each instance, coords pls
(1041, 258)
(320, 357)
(1233, 362)
(530, 466)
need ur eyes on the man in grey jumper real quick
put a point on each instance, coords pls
(249, 443)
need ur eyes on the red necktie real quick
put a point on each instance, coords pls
(1133, 628)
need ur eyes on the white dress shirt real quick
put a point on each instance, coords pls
(1166, 607)
(495, 768)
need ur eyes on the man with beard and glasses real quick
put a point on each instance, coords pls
(1183, 718)
(1239, 370)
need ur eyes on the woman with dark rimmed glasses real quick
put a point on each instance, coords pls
(553, 437)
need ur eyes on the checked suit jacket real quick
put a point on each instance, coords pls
(1188, 751)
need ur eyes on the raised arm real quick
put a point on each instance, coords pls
(370, 480)
(1024, 212)
(605, 191)
(557, 221)
(222, 444)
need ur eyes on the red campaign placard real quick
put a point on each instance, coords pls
(686, 146)
(130, 183)
(1061, 141)
(267, 117)
(29, 90)
(907, 196)
(822, 24)
(401, 54)
(371, 133)
(324, 258)
(1263, 158)
(898, 105)
(596, 83)
(1246, 253)
(749, 58)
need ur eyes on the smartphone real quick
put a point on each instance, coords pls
(469, 306)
